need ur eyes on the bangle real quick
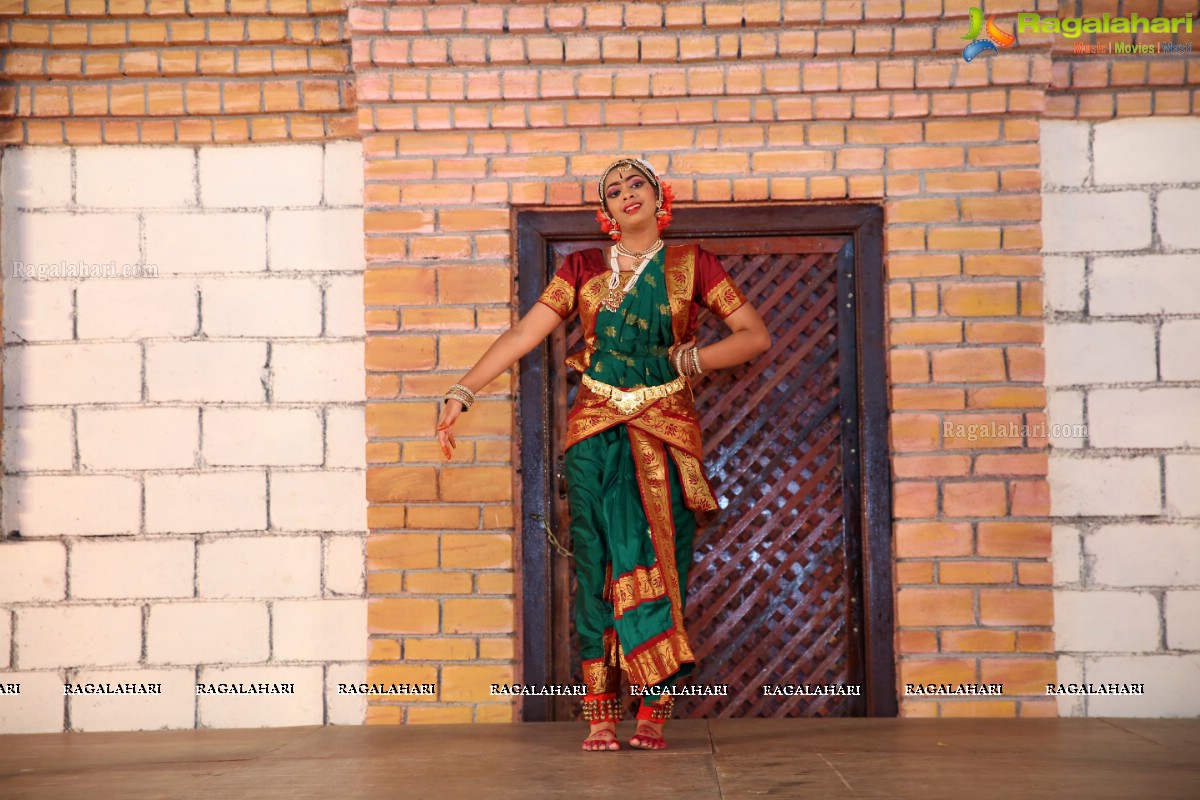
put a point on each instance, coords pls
(462, 394)
(675, 361)
(696, 360)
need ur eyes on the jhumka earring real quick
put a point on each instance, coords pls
(608, 224)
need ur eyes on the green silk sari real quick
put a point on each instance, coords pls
(622, 605)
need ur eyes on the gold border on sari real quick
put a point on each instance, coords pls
(600, 676)
(630, 590)
(662, 656)
(679, 266)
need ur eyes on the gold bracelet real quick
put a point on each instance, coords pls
(462, 394)
(696, 360)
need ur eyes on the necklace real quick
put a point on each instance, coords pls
(616, 293)
(625, 252)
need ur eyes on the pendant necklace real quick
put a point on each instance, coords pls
(616, 294)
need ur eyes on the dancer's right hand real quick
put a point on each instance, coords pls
(451, 409)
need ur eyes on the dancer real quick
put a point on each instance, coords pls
(633, 449)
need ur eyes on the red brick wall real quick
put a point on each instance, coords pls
(162, 71)
(735, 102)
(1085, 86)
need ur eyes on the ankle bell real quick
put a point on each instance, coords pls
(601, 708)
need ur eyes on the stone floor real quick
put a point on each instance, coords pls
(825, 759)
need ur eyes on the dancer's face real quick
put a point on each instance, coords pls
(630, 197)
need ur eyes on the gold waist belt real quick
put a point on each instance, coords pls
(630, 401)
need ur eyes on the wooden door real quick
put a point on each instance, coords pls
(775, 595)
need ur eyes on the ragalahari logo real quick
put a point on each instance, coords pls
(994, 40)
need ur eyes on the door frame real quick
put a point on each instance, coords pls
(536, 231)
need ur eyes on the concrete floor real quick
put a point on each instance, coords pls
(825, 759)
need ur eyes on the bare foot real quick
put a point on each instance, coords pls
(648, 736)
(603, 736)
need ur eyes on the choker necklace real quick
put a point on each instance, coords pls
(651, 249)
(616, 294)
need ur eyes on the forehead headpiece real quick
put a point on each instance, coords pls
(635, 164)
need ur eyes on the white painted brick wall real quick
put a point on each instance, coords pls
(207, 371)
(1122, 278)
(1177, 218)
(260, 566)
(345, 709)
(1110, 621)
(324, 501)
(105, 177)
(343, 174)
(280, 305)
(72, 505)
(1083, 486)
(1145, 555)
(1095, 221)
(1147, 150)
(306, 372)
(1183, 619)
(1146, 284)
(196, 434)
(32, 571)
(137, 308)
(206, 243)
(319, 630)
(1167, 679)
(1179, 357)
(121, 569)
(40, 707)
(5, 639)
(344, 305)
(209, 632)
(138, 438)
(37, 440)
(1065, 159)
(304, 707)
(78, 635)
(1066, 555)
(345, 436)
(56, 374)
(40, 312)
(1161, 417)
(204, 502)
(175, 707)
(70, 237)
(1065, 282)
(345, 565)
(316, 239)
(262, 436)
(1099, 352)
(1183, 485)
(1065, 408)
(36, 177)
(274, 176)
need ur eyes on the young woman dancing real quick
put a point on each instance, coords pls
(633, 450)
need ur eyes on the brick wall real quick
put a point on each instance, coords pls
(160, 71)
(467, 111)
(1085, 86)
(733, 102)
(1123, 297)
(184, 452)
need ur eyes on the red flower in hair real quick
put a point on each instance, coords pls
(668, 196)
(605, 224)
